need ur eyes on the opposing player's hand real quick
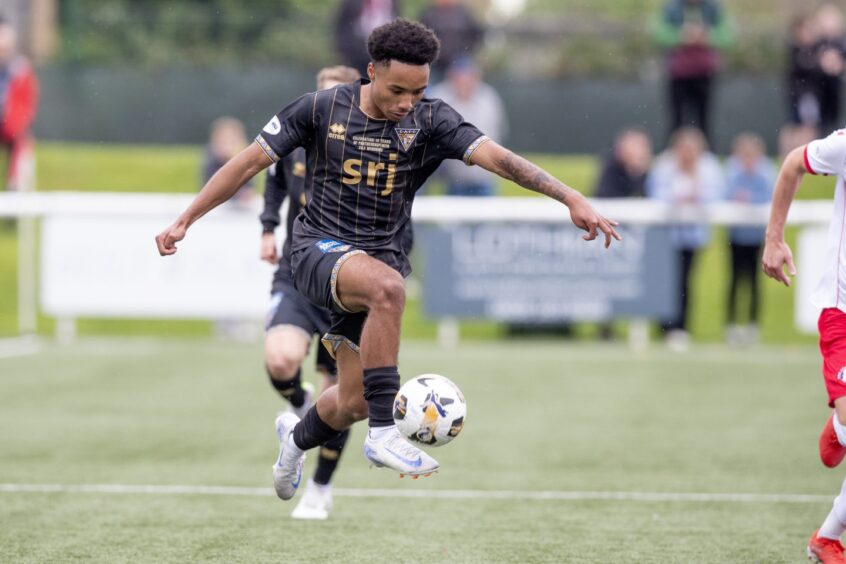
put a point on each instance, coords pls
(167, 239)
(585, 217)
(776, 256)
(268, 248)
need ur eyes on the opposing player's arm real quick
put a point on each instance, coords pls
(275, 191)
(777, 253)
(220, 187)
(499, 160)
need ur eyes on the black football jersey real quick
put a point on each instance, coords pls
(362, 173)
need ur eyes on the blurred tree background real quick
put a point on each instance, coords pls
(539, 38)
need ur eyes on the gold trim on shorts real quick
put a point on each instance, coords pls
(333, 280)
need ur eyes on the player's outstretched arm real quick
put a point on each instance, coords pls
(777, 252)
(220, 187)
(499, 160)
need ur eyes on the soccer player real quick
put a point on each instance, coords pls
(292, 320)
(369, 146)
(823, 156)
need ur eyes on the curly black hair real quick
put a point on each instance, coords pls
(405, 41)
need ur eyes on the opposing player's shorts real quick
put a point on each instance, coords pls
(316, 270)
(289, 307)
(832, 326)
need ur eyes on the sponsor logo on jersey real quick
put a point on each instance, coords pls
(273, 126)
(337, 131)
(332, 246)
(299, 169)
(406, 137)
(842, 375)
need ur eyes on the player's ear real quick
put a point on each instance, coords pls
(371, 71)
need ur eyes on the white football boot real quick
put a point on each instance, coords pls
(288, 469)
(315, 503)
(392, 450)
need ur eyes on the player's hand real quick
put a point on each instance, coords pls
(167, 239)
(585, 217)
(268, 248)
(776, 255)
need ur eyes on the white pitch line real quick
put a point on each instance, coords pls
(428, 494)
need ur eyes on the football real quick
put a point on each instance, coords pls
(430, 410)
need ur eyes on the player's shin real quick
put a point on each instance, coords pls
(312, 431)
(380, 388)
(291, 388)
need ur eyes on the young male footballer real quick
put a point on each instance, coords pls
(369, 146)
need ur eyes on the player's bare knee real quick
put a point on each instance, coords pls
(282, 366)
(389, 294)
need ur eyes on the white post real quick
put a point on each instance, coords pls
(448, 332)
(639, 334)
(65, 330)
(27, 241)
(27, 300)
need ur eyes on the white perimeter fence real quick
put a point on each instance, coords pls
(96, 256)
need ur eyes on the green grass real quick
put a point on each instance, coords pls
(63, 166)
(542, 416)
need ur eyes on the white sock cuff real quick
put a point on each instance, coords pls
(839, 429)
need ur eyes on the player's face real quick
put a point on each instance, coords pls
(397, 87)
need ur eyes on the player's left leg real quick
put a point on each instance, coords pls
(337, 408)
(316, 501)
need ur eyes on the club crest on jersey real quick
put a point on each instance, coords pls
(273, 126)
(337, 131)
(406, 136)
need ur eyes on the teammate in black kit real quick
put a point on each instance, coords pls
(369, 146)
(292, 320)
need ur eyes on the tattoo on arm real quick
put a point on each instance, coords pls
(532, 177)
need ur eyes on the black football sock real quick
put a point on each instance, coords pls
(291, 390)
(330, 452)
(313, 431)
(380, 388)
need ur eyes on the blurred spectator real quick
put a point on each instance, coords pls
(479, 104)
(803, 75)
(686, 174)
(750, 179)
(227, 137)
(623, 175)
(354, 20)
(831, 51)
(803, 85)
(691, 31)
(624, 171)
(458, 31)
(19, 99)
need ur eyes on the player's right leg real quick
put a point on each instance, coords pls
(288, 331)
(824, 545)
(365, 283)
(357, 287)
(285, 348)
(832, 329)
